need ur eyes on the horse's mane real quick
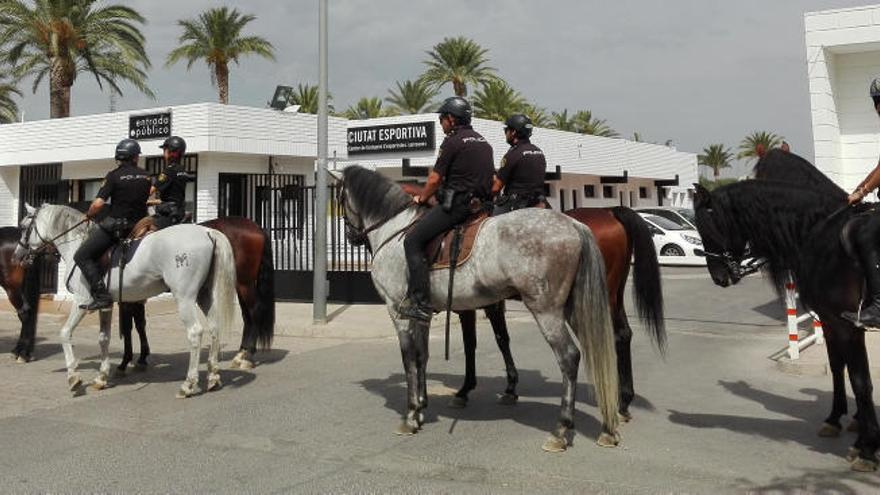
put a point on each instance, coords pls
(793, 169)
(375, 196)
(67, 216)
(795, 228)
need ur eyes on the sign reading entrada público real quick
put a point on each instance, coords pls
(149, 126)
(412, 136)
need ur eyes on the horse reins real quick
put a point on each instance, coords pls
(358, 235)
(32, 227)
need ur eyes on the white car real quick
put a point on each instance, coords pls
(675, 243)
(681, 216)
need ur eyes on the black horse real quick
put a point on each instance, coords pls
(22, 286)
(797, 231)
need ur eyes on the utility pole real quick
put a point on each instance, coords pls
(319, 287)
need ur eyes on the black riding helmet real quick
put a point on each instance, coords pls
(875, 91)
(175, 143)
(458, 107)
(520, 124)
(127, 150)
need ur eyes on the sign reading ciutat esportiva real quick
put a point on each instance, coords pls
(149, 126)
(391, 138)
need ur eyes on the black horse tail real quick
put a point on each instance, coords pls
(264, 308)
(646, 274)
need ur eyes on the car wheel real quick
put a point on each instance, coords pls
(671, 250)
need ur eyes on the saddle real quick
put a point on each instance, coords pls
(439, 250)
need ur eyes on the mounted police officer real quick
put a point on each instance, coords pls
(171, 185)
(463, 173)
(127, 187)
(867, 240)
(520, 180)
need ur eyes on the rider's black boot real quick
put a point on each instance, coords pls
(870, 313)
(417, 305)
(101, 298)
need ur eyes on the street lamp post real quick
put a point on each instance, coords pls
(319, 287)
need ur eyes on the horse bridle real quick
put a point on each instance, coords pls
(358, 236)
(45, 245)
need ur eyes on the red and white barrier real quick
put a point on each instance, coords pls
(795, 343)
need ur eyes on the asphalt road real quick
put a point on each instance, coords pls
(715, 415)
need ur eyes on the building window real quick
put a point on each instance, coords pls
(607, 191)
(643, 192)
(574, 198)
(589, 191)
(548, 192)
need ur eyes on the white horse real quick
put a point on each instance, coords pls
(194, 262)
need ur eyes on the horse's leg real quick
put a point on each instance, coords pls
(139, 314)
(836, 361)
(623, 341)
(66, 336)
(244, 358)
(468, 320)
(105, 318)
(192, 319)
(125, 315)
(422, 355)
(552, 325)
(407, 336)
(495, 314)
(868, 438)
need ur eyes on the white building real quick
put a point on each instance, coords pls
(583, 170)
(843, 56)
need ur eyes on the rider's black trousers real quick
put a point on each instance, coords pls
(88, 254)
(435, 222)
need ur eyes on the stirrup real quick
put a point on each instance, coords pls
(409, 310)
(98, 303)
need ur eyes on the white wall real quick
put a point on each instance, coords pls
(9, 195)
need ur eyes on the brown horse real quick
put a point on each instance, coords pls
(22, 286)
(255, 285)
(622, 236)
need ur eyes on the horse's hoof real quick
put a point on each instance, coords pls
(852, 454)
(187, 390)
(406, 429)
(829, 430)
(22, 360)
(214, 383)
(863, 465)
(246, 364)
(625, 416)
(555, 444)
(457, 402)
(853, 426)
(99, 384)
(74, 382)
(608, 440)
(508, 399)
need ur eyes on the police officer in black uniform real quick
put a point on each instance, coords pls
(171, 185)
(463, 172)
(867, 240)
(521, 176)
(127, 187)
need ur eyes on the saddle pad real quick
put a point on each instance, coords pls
(439, 250)
(117, 251)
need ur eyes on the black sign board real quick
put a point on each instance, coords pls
(392, 138)
(149, 126)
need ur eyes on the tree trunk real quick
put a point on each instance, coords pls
(59, 90)
(717, 174)
(221, 72)
(459, 88)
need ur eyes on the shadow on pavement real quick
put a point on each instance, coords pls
(42, 348)
(818, 481)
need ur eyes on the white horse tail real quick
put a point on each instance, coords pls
(222, 284)
(590, 318)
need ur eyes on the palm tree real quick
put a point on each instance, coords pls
(368, 108)
(537, 114)
(585, 123)
(215, 36)
(751, 145)
(306, 96)
(561, 121)
(637, 137)
(61, 38)
(716, 157)
(460, 61)
(413, 97)
(496, 101)
(8, 107)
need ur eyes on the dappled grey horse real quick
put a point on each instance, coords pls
(542, 256)
(194, 262)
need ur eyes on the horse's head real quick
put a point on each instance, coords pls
(354, 223)
(368, 201)
(31, 242)
(725, 249)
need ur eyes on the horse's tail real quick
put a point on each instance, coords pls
(647, 291)
(263, 313)
(222, 284)
(590, 318)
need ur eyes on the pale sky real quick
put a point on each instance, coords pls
(695, 71)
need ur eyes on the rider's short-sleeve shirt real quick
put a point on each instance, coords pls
(127, 187)
(465, 162)
(523, 169)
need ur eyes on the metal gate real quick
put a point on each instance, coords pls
(39, 184)
(285, 208)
